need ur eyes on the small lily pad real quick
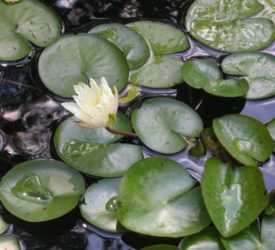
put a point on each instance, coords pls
(163, 123)
(271, 129)
(257, 68)
(92, 151)
(162, 37)
(208, 239)
(161, 72)
(130, 42)
(244, 138)
(234, 197)
(230, 25)
(26, 22)
(94, 207)
(76, 58)
(205, 74)
(156, 198)
(41, 190)
(9, 242)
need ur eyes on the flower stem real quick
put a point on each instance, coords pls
(120, 132)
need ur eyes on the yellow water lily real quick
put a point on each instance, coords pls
(95, 105)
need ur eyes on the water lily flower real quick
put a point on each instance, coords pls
(95, 105)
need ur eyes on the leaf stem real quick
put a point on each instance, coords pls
(120, 132)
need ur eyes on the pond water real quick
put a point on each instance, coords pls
(29, 114)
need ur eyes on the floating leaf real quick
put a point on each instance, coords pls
(94, 208)
(89, 150)
(163, 38)
(234, 197)
(270, 209)
(3, 226)
(41, 190)
(156, 198)
(208, 239)
(205, 74)
(161, 72)
(130, 42)
(162, 123)
(76, 58)
(245, 138)
(229, 25)
(9, 242)
(271, 129)
(24, 23)
(257, 68)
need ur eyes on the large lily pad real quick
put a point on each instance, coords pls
(24, 23)
(234, 197)
(160, 72)
(162, 123)
(271, 129)
(156, 198)
(205, 74)
(94, 207)
(41, 190)
(163, 38)
(229, 25)
(76, 58)
(90, 151)
(255, 67)
(130, 42)
(244, 138)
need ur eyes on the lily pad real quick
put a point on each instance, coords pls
(163, 38)
(130, 42)
(26, 22)
(234, 197)
(257, 68)
(9, 242)
(244, 138)
(270, 209)
(76, 58)
(163, 124)
(208, 239)
(271, 129)
(90, 151)
(41, 190)
(160, 72)
(3, 226)
(94, 208)
(156, 198)
(229, 25)
(205, 74)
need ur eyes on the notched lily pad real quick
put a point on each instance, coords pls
(76, 58)
(95, 208)
(257, 68)
(244, 138)
(26, 22)
(156, 198)
(234, 197)
(230, 25)
(163, 124)
(92, 151)
(205, 74)
(41, 190)
(130, 42)
(162, 37)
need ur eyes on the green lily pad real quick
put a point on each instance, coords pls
(94, 208)
(3, 226)
(156, 198)
(163, 123)
(76, 58)
(229, 25)
(234, 197)
(244, 138)
(160, 247)
(90, 151)
(163, 38)
(160, 72)
(205, 74)
(268, 11)
(208, 239)
(26, 22)
(271, 129)
(130, 42)
(255, 67)
(41, 190)
(9, 242)
(270, 209)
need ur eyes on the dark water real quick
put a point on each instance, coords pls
(29, 115)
